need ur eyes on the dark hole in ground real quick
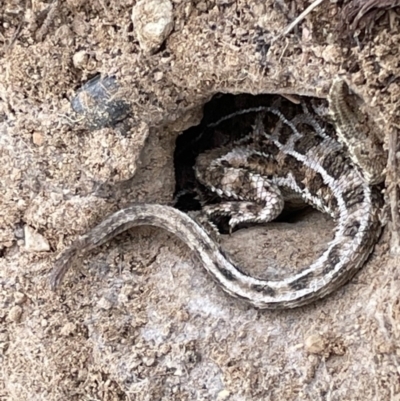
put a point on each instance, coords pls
(196, 140)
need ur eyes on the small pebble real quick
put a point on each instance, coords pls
(35, 242)
(153, 21)
(15, 314)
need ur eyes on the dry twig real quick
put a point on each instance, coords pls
(360, 13)
(298, 19)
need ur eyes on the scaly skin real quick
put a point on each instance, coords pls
(311, 165)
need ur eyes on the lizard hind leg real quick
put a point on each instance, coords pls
(241, 212)
(246, 196)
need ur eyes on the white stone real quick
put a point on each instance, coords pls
(35, 242)
(153, 21)
(80, 59)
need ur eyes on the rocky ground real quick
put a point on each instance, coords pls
(139, 319)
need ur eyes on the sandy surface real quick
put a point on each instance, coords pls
(139, 319)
